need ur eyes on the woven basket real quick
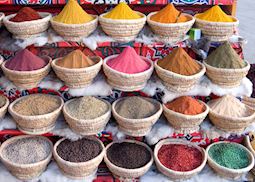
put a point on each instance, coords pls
(178, 175)
(1, 18)
(27, 79)
(3, 109)
(1, 59)
(227, 172)
(75, 32)
(89, 126)
(136, 127)
(226, 78)
(124, 81)
(249, 101)
(176, 82)
(77, 77)
(122, 30)
(185, 123)
(217, 31)
(36, 125)
(128, 174)
(25, 172)
(78, 170)
(27, 29)
(248, 145)
(171, 32)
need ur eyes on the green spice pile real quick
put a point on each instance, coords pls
(2, 101)
(229, 155)
(87, 107)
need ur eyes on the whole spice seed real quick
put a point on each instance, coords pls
(27, 150)
(87, 107)
(2, 101)
(128, 155)
(79, 151)
(229, 155)
(179, 157)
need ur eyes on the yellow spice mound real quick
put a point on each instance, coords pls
(122, 11)
(215, 14)
(73, 14)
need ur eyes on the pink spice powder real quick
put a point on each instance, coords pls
(128, 62)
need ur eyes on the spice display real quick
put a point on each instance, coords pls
(2, 101)
(25, 60)
(169, 14)
(27, 150)
(135, 108)
(122, 11)
(73, 13)
(225, 57)
(178, 61)
(215, 14)
(26, 14)
(75, 59)
(186, 105)
(128, 62)
(128, 155)
(229, 106)
(81, 150)
(180, 157)
(36, 104)
(87, 107)
(229, 155)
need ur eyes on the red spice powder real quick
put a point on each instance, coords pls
(26, 14)
(179, 157)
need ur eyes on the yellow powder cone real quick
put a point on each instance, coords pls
(73, 14)
(215, 14)
(122, 11)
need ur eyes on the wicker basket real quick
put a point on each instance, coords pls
(217, 31)
(248, 145)
(176, 82)
(1, 59)
(137, 127)
(185, 123)
(128, 174)
(78, 170)
(3, 109)
(171, 32)
(36, 125)
(77, 77)
(89, 126)
(27, 79)
(27, 29)
(227, 172)
(124, 81)
(1, 18)
(122, 30)
(178, 175)
(25, 172)
(75, 32)
(249, 101)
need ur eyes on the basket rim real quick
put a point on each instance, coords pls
(247, 67)
(13, 139)
(248, 144)
(182, 142)
(246, 169)
(1, 57)
(150, 69)
(159, 111)
(75, 164)
(236, 22)
(109, 20)
(7, 102)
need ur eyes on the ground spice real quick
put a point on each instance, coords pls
(128, 155)
(26, 14)
(215, 14)
(225, 57)
(122, 11)
(180, 157)
(128, 61)
(87, 107)
(178, 61)
(169, 14)
(79, 151)
(73, 13)
(229, 155)
(27, 150)
(25, 60)
(135, 108)
(2, 101)
(229, 106)
(75, 59)
(36, 104)
(186, 105)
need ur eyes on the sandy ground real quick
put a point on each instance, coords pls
(246, 16)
